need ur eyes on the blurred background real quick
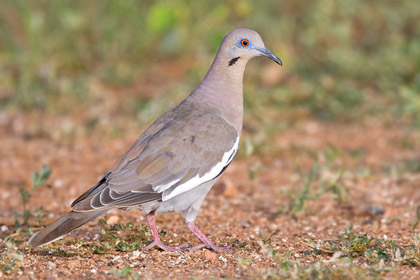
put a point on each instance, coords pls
(110, 63)
(331, 140)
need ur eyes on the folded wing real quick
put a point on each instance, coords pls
(174, 155)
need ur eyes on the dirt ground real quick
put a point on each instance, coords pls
(248, 208)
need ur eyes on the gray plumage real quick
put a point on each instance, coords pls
(175, 162)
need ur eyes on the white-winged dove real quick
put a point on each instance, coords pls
(175, 162)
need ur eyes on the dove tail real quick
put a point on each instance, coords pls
(62, 226)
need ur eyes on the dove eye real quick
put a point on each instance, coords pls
(245, 43)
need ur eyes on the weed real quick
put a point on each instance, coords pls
(11, 257)
(377, 252)
(331, 153)
(123, 238)
(299, 200)
(126, 273)
(288, 269)
(113, 238)
(39, 179)
(244, 261)
(336, 75)
(267, 248)
(416, 222)
(345, 253)
(411, 165)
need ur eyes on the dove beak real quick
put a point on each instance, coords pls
(267, 53)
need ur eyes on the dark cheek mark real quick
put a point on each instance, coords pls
(233, 61)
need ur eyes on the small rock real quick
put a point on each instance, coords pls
(51, 265)
(223, 259)
(136, 253)
(58, 183)
(208, 255)
(113, 220)
(374, 210)
(231, 191)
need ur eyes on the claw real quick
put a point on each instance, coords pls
(183, 247)
(216, 248)
(156, 240)
(160, 245)
(206, 242)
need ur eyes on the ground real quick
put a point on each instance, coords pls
(364, 179)
(324, 185)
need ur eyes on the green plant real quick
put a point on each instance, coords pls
(122, 237)
(39, 179)
(113, 238)
(417, 221)
(377, 252)
(381, 256)
(342, 62)
(309, 192)
(126, 273)
(11, 257)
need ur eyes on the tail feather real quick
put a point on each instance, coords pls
(62, 226)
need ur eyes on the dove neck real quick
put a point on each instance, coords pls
(222, 88)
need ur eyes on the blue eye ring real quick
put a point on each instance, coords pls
(244, 43)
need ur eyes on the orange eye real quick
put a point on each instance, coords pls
(244, 42)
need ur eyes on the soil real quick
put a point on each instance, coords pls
(247, 205)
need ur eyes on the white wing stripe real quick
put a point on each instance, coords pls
(196, 180)
(162, 188)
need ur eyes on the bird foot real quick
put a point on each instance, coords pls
(160, 245)
(187, 247)
(156, 240)
(212, 246)
(206, 242)
(183, 247)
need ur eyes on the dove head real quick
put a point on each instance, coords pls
(222, 87)
(241, 45)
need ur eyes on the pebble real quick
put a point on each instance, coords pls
(208, 255)
(51, 265)
(231, 191)
(136, 254)
(114, 219)
(223, 259)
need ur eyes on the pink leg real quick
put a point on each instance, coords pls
(206, 242)
(156, 240)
